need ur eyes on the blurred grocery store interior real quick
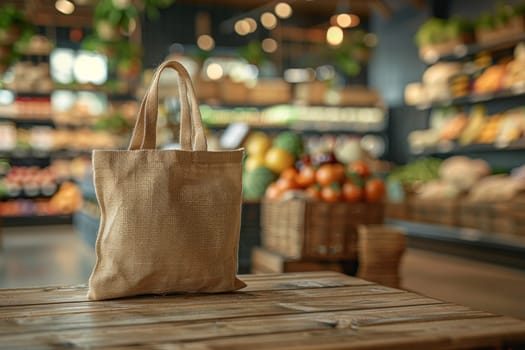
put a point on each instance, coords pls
(383, 139)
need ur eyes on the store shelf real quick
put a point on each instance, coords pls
(34, 154)
(319, 128)
(500, 95)
(462, 51)
(495, 247)
(112, 96)
(453, 149)
(9, 221)
(28, 120)
(307, 119)
(25, 196)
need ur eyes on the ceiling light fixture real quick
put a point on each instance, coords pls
(344, 20)
(242, 27)
(205, 42)
(283, 10)
(269, 45)
(268, 20)
(251, 23)
(334, 36)
(65, 7)
(214, 71)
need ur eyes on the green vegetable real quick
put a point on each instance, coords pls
(437, 30)
(254, 183)
(290, 142)
(421, 170)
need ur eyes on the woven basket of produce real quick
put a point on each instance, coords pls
(301, 228)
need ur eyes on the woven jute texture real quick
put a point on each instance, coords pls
(170, 219)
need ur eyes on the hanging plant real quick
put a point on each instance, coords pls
(15, 33)
(253, 53)
(352, 53)
(114, 21)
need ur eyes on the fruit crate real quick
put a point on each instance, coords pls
(489, 217)
(476, 215)
(441, 212)
(299, 228)
(397, 210)
(265, 261)
(512, 29)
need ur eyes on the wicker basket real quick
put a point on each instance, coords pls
(441, 212)
(476, 215)
(311, 229)
(397, 210)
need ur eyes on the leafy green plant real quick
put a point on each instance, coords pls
(253, 53)
(437, 30)
(113, 23)
(502, 14)
(15, 33)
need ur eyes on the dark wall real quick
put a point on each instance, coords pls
(176, 24)
(395, 61)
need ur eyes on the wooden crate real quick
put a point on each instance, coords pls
(519, 223)
(441, 212)
(265, 261)
(270, 92)
(233, 93)
(488, 216)
(397, 210)
(476, 215)
(429, 53)
(312, 93)
(514, 28)
(380, 251)
(312, 229)
(502, 219)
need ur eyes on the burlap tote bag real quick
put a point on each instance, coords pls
(170, 219)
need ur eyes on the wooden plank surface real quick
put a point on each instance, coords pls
(318, 310)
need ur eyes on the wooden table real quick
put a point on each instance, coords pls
(321, 310)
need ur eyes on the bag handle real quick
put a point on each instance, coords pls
(192, 135)
(137, 138)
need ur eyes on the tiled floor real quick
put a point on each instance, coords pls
(43, 255)
(55, 255)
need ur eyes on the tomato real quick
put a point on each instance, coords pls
(273, 191)
(332, 193)
(359, 167)
(339, 172)
(286, 184)
(289, 173)
(306, 176)
(314, 191)
(375, 190)
(325, 175)
(352, 192)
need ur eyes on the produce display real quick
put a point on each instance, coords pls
(440, 37)
(419, 171)
(483, 75)
(458, 177)
(453, 125)
(41, 191)
(327, 168)
(65, 201)
(328, 181)
(45, 138)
